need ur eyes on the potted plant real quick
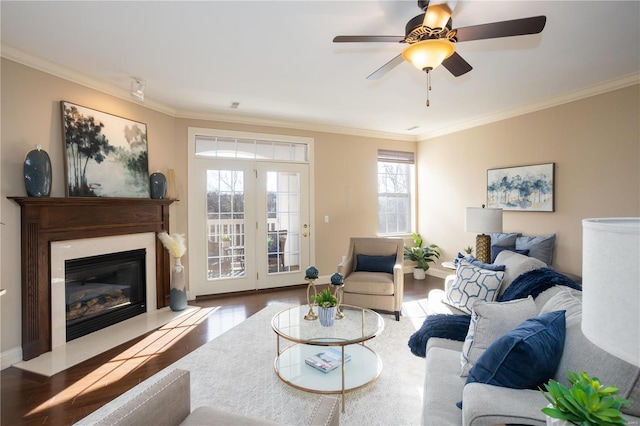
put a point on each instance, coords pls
(587, 402)
(422, 255)
(468, 250)
(327, 305)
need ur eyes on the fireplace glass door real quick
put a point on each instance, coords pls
(103, 290)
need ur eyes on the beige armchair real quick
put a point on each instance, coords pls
(373, 273)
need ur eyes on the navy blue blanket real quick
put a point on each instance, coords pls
(455, 327)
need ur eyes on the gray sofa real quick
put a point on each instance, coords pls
(484, 404)
(168, 402)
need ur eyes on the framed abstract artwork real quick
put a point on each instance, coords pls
(522, 188)
(105, 155)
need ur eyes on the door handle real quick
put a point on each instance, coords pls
(304, 234)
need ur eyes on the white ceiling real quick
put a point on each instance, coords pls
(277, 59)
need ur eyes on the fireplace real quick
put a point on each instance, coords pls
(47, 222)
(103, 290)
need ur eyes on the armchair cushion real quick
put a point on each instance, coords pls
(366, 263)
(369, 283)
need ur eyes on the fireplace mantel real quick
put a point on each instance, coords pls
(47, 219)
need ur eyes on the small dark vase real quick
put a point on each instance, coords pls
(37, 173)
(157, 185)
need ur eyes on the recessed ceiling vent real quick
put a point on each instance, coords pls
(235, 105)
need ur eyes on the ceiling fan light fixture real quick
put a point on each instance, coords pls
(428, 54)
(437, 16)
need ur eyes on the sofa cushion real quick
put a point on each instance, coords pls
(360, 282)
(525, 357)
(366, 263)
(516, 265)
(442, 388)
(582, 355)
(489, 321)
(539, 247)
(471, 284)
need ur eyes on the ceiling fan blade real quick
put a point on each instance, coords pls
(456, 65)
(386, 68)
(367, 39)
(511, 28)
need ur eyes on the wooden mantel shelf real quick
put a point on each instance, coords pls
(47, 219)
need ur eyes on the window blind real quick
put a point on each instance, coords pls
(388, 156)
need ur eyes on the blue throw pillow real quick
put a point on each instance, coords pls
(504, 239)
(539, 247)
(524, 358)
(488, 266)
(366, 263)
(495, 251)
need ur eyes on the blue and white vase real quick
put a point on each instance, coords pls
(37, 173)
(178, 298)
(327, 316)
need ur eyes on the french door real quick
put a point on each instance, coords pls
(248, 224)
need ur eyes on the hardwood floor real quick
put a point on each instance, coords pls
(65, 398)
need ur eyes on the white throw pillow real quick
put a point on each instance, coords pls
(489, 321)
(516, 265)
(473, 283)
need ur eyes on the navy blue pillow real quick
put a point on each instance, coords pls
(366, 263)
(488, 266)
(524, 358)
(495, 251)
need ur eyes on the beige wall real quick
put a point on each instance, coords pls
(345, 170)
(594, 143)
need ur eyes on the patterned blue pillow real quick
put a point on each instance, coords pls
(473, 283)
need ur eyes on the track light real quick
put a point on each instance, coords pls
(137, 88)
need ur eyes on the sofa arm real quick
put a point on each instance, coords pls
(166, 402)
(484, 405)
(448, 282)
(325, 413)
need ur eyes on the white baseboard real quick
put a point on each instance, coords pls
(10, 357)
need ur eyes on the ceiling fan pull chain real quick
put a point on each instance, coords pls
(428, 86)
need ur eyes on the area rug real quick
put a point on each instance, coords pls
(234, 372)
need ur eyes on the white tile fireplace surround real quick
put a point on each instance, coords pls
(66, 354)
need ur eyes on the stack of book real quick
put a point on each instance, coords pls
(327, 360)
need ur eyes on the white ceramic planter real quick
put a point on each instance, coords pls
(418, 274)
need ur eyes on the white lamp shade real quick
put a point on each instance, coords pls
(482, 220)
(611, 285)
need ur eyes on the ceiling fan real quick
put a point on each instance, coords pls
(431, 39)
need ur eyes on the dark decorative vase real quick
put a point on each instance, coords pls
(37, 173)
(157, 185)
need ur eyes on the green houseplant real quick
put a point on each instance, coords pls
(327, 306)
(587, 402)
(422, 255)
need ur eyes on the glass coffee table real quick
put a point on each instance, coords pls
(307, 338)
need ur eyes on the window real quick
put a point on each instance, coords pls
(395, 171)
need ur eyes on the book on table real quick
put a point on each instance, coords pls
(327, 360)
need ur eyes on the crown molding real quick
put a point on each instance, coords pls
(297, 125)
(587, 92)
(69, 74)
(65, 73)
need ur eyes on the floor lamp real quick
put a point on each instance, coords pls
(611, 285)
(483, 221)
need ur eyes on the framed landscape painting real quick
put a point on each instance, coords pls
(105, 155)
(523, 188)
